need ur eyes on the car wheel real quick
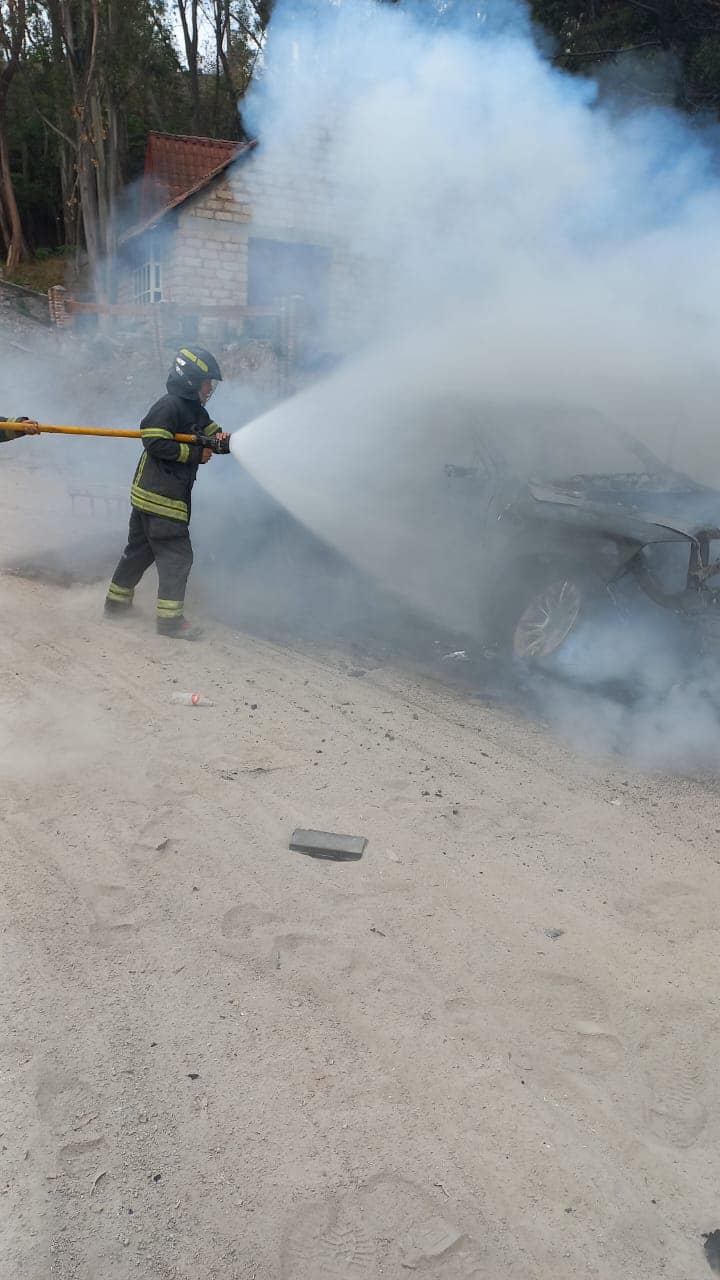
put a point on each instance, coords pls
(543, 609)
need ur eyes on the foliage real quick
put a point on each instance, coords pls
(83, 81)
(592, 32)
(46, 268)
(86, 81)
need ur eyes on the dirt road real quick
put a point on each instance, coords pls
(488, 1050)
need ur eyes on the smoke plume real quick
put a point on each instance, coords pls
(517, 236)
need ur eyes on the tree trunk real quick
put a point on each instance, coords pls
(223, 41)
(79, 27)
(110, 134)
(13, 33)
(66, 154)
(88, 202)
(191, 39)
(4, 230)
(16, 248)
(68, 188)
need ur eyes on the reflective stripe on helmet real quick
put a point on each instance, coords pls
(190, 355)
(196, 363)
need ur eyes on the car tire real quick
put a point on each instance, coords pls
(541, 607)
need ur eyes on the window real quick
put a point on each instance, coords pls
(278, 270)
(147, 283)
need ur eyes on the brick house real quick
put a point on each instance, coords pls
(226, 226)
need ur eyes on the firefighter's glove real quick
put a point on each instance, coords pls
(219, 443)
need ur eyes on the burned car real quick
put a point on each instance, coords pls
(507, 523)
(571, 511)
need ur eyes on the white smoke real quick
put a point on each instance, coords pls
(549, 243)
(515, 236)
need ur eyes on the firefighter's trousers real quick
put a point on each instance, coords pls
(167, 543)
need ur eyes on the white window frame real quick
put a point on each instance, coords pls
(147, 283)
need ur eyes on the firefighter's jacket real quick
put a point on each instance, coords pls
(5, 435)
(166, 471)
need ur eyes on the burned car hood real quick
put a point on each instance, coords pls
(643, 508)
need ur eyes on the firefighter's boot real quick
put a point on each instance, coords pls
(118, 601)
(178, 629)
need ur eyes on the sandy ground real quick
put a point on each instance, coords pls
(222, 1059)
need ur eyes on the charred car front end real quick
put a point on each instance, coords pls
(578, 514)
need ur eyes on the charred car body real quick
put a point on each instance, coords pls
(572, 510)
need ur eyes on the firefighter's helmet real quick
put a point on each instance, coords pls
(193, 366)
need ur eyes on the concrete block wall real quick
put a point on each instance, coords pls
(207, 257)
(292, 199)
(124, 292)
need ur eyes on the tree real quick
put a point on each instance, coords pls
(251, 19)
(77, 23)
(594, 31)
(13, 33)
(189, 21)
(221, 81)
(112, 50)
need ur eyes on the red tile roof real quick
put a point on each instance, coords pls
(176, 166)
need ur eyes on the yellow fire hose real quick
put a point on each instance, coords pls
(53, 429)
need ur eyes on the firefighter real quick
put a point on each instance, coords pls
(20, 427)
(160, 493)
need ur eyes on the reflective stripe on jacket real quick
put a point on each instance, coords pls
(166, 472)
